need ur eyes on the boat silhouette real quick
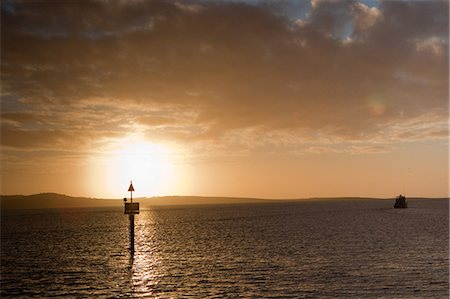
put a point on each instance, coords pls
(400, 202)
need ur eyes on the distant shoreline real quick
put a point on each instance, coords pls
(54, 200)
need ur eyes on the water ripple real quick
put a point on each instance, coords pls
(289, 250)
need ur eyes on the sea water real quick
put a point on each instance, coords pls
(309, 249)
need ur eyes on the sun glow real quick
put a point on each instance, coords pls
(147, 164)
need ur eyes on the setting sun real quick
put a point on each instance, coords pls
(132, 158)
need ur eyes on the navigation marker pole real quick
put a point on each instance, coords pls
(131, 209)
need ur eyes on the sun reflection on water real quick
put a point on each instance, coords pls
(144, 265)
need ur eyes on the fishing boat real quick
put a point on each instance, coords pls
(400, 202)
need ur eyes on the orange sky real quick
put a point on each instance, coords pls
(241, 98)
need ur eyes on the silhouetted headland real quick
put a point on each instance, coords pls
(60, 201)
(54, 200)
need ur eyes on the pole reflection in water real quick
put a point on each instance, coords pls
(144, 263)
(131, 216)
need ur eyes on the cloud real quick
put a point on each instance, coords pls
(432, 44)
(20, 138)
(210, 70)
(20, 117)
(364, 17)
(353, 149)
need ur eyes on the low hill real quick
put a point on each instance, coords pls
(54, 200)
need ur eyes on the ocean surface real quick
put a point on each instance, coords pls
(311, 249)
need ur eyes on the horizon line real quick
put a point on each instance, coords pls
(236, 197)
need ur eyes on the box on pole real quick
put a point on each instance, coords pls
(131, 207)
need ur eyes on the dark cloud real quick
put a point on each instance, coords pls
(20, 138)
(343, 69)
(20, 117)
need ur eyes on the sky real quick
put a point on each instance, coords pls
(269, 99)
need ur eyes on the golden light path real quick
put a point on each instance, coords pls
(148, 165)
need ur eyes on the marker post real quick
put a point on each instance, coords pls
(131, 209)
